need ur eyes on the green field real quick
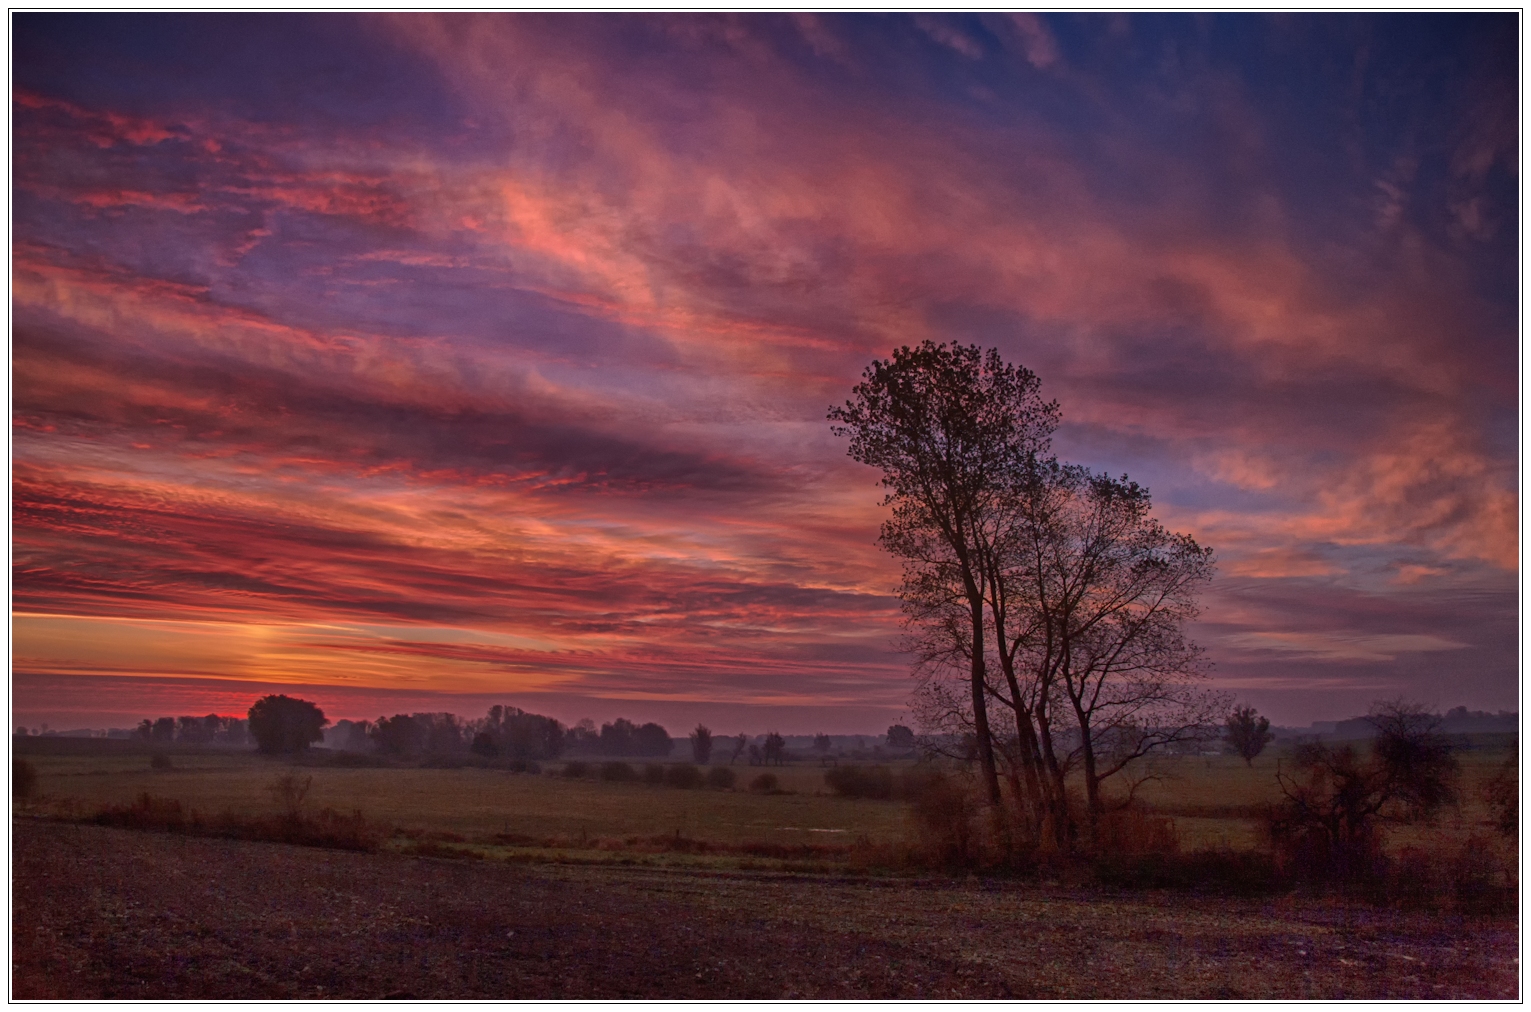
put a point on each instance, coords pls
(1213, 800)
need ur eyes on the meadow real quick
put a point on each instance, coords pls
(1213, 801)
(483, 882)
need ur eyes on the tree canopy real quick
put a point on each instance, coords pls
(283, 724)
(1037, 586)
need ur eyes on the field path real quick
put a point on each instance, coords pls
(102, 913)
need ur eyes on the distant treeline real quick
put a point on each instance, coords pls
(506, 732)
(209, 730)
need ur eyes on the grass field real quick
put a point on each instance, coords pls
(1214, 801)
(590, 889)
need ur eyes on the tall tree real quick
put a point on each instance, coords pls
(946, 425)
(1106, 591)
(1087, 596)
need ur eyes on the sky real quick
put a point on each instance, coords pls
(427, 362)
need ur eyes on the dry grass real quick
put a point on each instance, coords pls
(1213, 803)
(483, 803)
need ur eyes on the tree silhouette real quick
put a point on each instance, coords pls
(282, 724)
(1248, 733)
(701, 745)
(774, 749)
(946, 424)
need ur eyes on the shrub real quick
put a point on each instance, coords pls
(1130, 832)
(575, 768)
(159, 761)
(684, 776)
(1326, 827)
(861, 781)
(766, 783)
(720, 777)
(618, 772)
(946, 819)
(1502, 793)
(653, 773)
(23, 780)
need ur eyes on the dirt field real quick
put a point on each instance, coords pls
(101, 913)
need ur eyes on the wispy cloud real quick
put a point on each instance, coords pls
(539, 346)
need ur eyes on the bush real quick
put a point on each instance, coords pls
(159, 761)
(618, 772)
(683, 775)
(1130, 831)
(861, 781)
(1502, 793)
(653, 773)
(575, 768)
(23, 780)
(946, 817)
(720, 777)
(766, 783)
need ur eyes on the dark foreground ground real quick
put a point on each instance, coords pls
(103, 913)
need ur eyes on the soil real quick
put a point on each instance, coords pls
(107, 913)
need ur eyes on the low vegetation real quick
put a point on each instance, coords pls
(1203, 823)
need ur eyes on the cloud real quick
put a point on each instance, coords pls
(552, 353)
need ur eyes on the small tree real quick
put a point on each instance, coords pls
(1248, 733)
(774, 749)
(399, 735)
(701, 745)
(283, 725)
(822, 744)
(163, 730)
(1335, 796)
(740, 744)
(900, 737)
(653, 740)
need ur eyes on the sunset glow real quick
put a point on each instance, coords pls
(430, 362)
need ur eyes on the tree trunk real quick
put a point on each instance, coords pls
(980, 702)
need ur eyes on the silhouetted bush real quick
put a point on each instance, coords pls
(1326, 828)
(653, 773)
(23, 779)
(684, 776)
(575, 768)
(618, 772)
(160, 761)
(861, 781)
(765, 784)
(720, 777)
